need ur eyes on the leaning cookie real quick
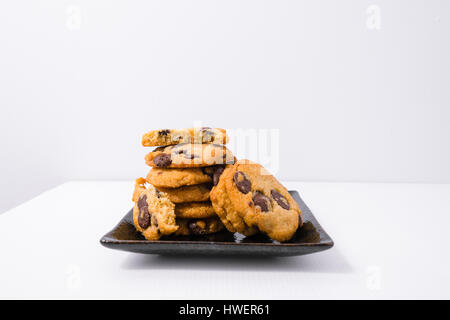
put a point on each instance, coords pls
(167, 137)
(196, 193)
(224, 208)
(194, 210)
(154, 214)
(198, 227)
(178, 177)
(262, 201)
(189, 156)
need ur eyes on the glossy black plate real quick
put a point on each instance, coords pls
(308, 239)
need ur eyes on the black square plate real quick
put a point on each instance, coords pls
(308, 239)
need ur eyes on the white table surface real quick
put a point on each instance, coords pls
(391, 241)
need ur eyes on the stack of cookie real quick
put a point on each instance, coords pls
(174, 198)
(197, 187)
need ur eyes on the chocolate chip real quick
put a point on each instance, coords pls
(142, 202)
(162, 160)
(282, 201)
(207, 133)
(158, 193)
(195, 229)
(191, 156)
(262, 201)
(144, 218)
(164, 132)
(178, 151)
(244, 185)
(216, 175)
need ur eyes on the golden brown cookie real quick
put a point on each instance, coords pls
(262, 201)
(225, 210)
(189, 156)
(194, 210)
(178, 177)
(198, 226)
(167, 137)
(196, 193)
(153, 213)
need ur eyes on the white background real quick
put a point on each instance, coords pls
(81, 81)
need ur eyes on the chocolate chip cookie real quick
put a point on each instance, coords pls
(223, 207)
(167, 137)
(196, 193)
(262, 201)
(189, 156)
(178, 177)
(198, 227)
(153, 212)
(194, 210)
